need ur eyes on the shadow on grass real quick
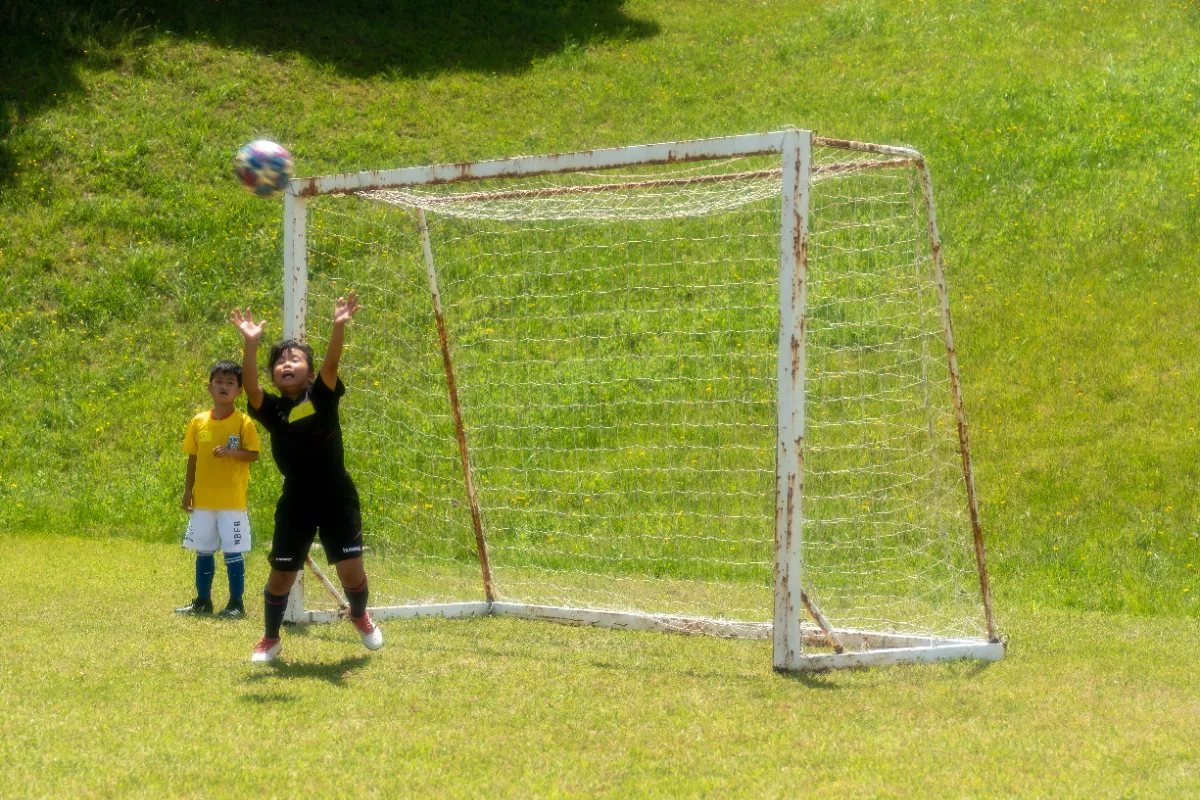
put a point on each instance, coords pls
(269, 697)
(977, 668)
(296, 629)
(636, 658)
(44, 42)
(811, 680)
(334, 673)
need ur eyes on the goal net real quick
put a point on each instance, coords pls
(700, 387)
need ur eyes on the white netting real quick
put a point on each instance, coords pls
(615, 352)
(887, 543)
(621, 197)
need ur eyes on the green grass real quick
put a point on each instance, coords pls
(1062, 149)
(115, 696)
(1062, 143)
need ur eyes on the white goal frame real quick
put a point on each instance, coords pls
(797, 620)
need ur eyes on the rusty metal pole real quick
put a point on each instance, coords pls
(935, 246)
(343, 606)
(790, 405)
(295, 304)
(789, 445)
(295, 265)
(822, 623)
(459, 430)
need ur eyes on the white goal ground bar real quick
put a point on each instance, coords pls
(885, 648)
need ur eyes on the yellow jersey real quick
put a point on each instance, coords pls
(220, 482)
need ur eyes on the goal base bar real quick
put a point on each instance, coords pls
(444, 610)
(973, 650)
(565, 615)
(631, 621)
(865, 648)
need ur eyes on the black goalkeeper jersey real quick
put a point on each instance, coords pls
(306, 441)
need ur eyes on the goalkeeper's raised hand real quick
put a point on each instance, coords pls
(251, 330)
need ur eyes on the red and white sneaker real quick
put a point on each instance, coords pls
(266, 650)
(372, 637)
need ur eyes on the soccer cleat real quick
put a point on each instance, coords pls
(372, 637)
(266, 650)
(232, 611)
(201, 605)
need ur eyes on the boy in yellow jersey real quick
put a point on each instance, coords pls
(220, 444)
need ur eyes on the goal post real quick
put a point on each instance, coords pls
(702, 387)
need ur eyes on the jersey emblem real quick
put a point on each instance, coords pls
(301, 411)
(204, 436)
(232, 441)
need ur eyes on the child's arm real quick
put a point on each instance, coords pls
(252, 332)
(221, 451)
(189, 483)
(346, 308)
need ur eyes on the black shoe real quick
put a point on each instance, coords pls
(232, 611)
(198, 606)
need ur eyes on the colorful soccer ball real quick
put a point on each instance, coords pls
(264, 168)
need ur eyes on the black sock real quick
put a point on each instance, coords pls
(358, 599)
(273, 607)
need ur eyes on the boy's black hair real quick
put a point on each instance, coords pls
(277, 351)
(226, 368)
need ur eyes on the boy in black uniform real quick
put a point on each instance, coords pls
(318, 494)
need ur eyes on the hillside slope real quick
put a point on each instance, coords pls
(1062, 141)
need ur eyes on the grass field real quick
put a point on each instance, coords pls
(116, 698)
(1062, 143)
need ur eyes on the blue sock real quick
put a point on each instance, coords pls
(206, 565)
(235, 566)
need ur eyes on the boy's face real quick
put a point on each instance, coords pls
(224, 388)
(290, 373)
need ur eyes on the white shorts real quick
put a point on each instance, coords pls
(210, 531)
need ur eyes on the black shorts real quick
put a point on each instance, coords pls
(299, 518)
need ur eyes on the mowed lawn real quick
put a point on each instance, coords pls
(107, 693)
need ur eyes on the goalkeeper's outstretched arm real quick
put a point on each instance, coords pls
(346, 308)
(252, 332)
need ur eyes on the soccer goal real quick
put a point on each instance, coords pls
(705, 387)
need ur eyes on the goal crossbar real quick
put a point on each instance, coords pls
(579, 161)
(530, 166)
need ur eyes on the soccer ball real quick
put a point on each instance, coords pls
(264, 168)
